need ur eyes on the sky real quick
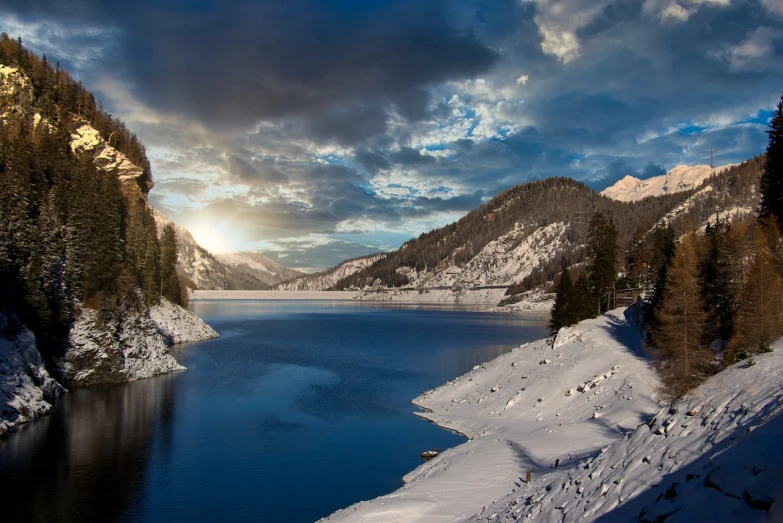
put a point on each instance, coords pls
(314, 131)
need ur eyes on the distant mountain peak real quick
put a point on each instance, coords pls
(681, 178)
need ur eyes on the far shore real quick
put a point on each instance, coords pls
(489, 297)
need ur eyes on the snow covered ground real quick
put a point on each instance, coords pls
(681, 178)
(540, 403)
(178, 325)
(581, 415)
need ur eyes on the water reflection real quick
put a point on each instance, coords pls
(87, 460)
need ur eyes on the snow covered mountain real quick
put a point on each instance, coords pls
(520, 238)
(580, 413)
(258, 266)
(228, 271)
(325, 280)
(681, 178)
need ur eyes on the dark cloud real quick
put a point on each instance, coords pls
(255, 174)
(360, 85)
(234, 65)
(189, 187)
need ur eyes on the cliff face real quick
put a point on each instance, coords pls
(81, 266)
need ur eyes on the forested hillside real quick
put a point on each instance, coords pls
(522, 236)
(81, 260)
(200, 269)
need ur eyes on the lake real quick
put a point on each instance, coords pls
(297, 410)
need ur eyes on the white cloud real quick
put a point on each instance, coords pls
(679, 10)
(53, 39)
(773, 6)
(558, 22)
(755, 53)
(522, 80)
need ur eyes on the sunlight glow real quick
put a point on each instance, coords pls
(209, 239)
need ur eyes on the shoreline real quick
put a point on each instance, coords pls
(517, 414)
(487, 297)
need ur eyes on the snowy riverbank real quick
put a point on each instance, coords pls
(581, 403)
(135, 348)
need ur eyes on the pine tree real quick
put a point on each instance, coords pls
(681, 322)
(169, 287)
(564, 312)
(717, 285)
(586, 304)
(663, 248)
(602, 243)
(771, 184)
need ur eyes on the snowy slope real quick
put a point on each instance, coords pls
(714, 456)
(268, 271)
(26, 388)
(327, 279)
(199, 264)
(524, 410)
(506, 260)
(178, 325)
(580, 414)
(681, 178)
(229, 271)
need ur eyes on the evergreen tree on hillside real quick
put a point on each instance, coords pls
(662, 251)
(681, 322)
(771, 184)
(717, 284)
(564, 312)
(602, 244)
(169, 286)
(760, 303)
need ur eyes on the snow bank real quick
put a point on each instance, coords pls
(178, 325)
(26, 389)
(549, 400)
(713, 456)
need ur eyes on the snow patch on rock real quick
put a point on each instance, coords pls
(178, 325)
(26, 388)
(87, 139)
(124, 349)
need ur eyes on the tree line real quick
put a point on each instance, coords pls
(714, 297)
(71, 235)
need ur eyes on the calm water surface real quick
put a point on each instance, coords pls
(299, 409)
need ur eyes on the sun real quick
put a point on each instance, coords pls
(209, 239)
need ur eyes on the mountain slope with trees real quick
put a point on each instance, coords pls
(81, 262)
(522, 237)
(201, 269)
